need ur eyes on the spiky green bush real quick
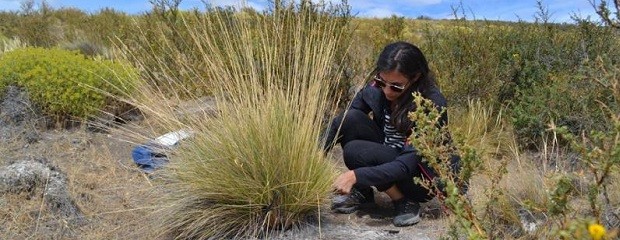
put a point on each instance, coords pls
(65, 84)
(557, 207)
(257, 165)
(600, 153)
(429, 140)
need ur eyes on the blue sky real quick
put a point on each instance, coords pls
(507, 10)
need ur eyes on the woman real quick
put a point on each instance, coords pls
(374, 134)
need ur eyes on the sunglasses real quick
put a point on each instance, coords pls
(382, 83)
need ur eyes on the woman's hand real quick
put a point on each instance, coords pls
(344, 182)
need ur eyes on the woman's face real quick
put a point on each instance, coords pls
(393, 84)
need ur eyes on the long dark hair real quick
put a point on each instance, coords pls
(408, 60)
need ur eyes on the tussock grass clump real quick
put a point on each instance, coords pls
(247, 179)
(7, 45)
(257, 165)
(482, 127)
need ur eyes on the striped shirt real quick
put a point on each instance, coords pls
(392, 137)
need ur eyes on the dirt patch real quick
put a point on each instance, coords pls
(18, 116)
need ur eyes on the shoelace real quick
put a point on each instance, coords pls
(357, 195)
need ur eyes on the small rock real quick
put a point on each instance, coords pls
(28, 175)
(32, 137)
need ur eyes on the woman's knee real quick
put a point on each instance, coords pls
(353, 154)
(355, 117)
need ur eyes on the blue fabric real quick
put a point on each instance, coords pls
(147, 158)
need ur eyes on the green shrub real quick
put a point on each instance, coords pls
(526, 67)
(599, 151)
(86, 48)
(9, 21)
(569, 100)
(394, 28)
(65, 84)
(557, 204)
(430, 141)
(106, 26)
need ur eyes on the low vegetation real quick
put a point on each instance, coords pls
(533, 108)
(66, 85)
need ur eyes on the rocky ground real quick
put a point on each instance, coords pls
(80, 184)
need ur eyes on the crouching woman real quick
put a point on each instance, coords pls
(374, 134)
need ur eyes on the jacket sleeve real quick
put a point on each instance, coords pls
(358, 103)
(404, 166)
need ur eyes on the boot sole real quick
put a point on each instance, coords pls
(404, 223)
(352, 209)
(346, 210)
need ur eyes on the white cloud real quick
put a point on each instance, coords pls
(374, 8)
(362, 8)
(258, 5)
(379, 13)
(226, 2)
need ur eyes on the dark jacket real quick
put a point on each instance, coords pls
(408, 163)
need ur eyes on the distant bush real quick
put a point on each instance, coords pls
(550, 80)
(86, 48)
(394, 27)
(569, 101)
(551, 205)
(536, 70)
(65, 84)
(107, 25)
(69, 24)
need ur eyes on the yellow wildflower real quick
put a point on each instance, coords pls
(597, 232)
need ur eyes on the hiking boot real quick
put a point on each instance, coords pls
(350, 203)
(407, 213)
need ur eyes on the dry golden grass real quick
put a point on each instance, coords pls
(254, 165)
(483, 128)
(111, 194)
(518, 206)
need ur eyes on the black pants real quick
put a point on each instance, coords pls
(362, 145)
